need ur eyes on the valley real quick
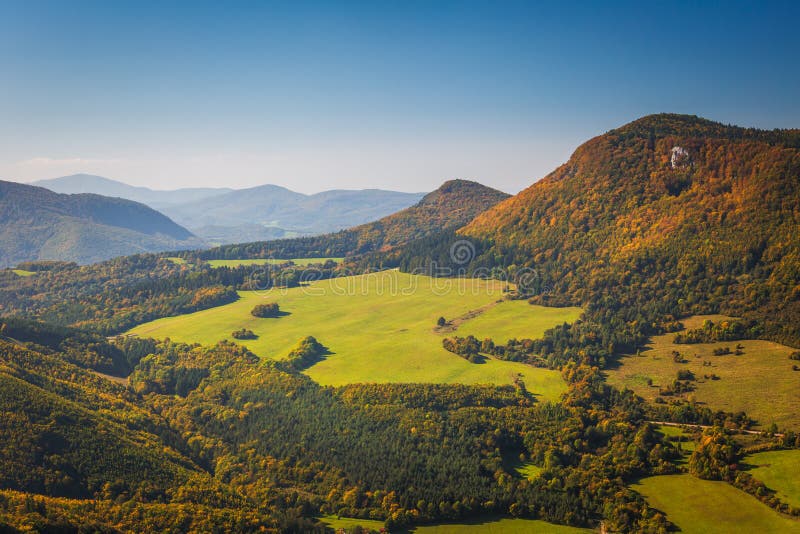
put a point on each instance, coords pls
(614, 348)
(380, 328)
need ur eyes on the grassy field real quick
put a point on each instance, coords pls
(528, 470)
(500, 322)
(490, 526)
(22, 272)
(176, 260)
(760, 382)
(706, 507)
(780, 471)
(270, 261)
(379, 328)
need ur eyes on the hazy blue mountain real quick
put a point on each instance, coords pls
(36, 223)
(236, 216)
(87, 183)
(254, 214)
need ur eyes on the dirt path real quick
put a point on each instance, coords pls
(703, 427)
(123, 381)
(453, 324)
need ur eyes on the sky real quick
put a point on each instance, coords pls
(398, 95)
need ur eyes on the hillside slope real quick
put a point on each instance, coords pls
(682, 211)
(36, 223)
(452, 205)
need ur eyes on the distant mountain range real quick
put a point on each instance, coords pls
(87, 183)
(36, 223)
(222, 216)
(452, 205)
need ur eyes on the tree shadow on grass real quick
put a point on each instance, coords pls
(276, 315)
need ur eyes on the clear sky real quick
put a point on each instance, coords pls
(397, 95)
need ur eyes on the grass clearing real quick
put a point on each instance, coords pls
(378, 328)
(760, 382)
(499, 322)
(779, 470)
(707, 507)
(176, 260)
(348, 523)
(490, 525)
(270, 261)
(23, 272)
(528, 470)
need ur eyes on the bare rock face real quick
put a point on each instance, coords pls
(680, 157)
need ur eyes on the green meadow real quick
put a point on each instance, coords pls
(708, 507)
(501, 321)
(489, 526)
(780, 471)
(527, 470)
(760, 382)
(23, 273)
(381, 327)
(271, 261)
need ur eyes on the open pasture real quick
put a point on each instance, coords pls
(760, 381)
(780, 471)
(380, 327)
(707, 507)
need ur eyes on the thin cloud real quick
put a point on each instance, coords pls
(60, 162)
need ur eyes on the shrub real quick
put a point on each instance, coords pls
(266, 310)
(685, 374)
(243, 333)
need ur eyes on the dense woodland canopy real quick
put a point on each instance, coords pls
(216, 438)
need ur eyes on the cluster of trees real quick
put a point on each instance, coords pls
(720, 331)
(243, 333)
(715, 456)
(308, 352)
(270, 309)
(524, 350)
(85, 349)
(467, 347)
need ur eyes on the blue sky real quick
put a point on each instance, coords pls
(397, 95)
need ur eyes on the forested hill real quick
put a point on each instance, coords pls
(693, 214)
(36, 223)
(452, 205)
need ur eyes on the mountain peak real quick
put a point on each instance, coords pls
(691, 126)
(459, 190)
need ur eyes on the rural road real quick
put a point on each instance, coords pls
(664, 423)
